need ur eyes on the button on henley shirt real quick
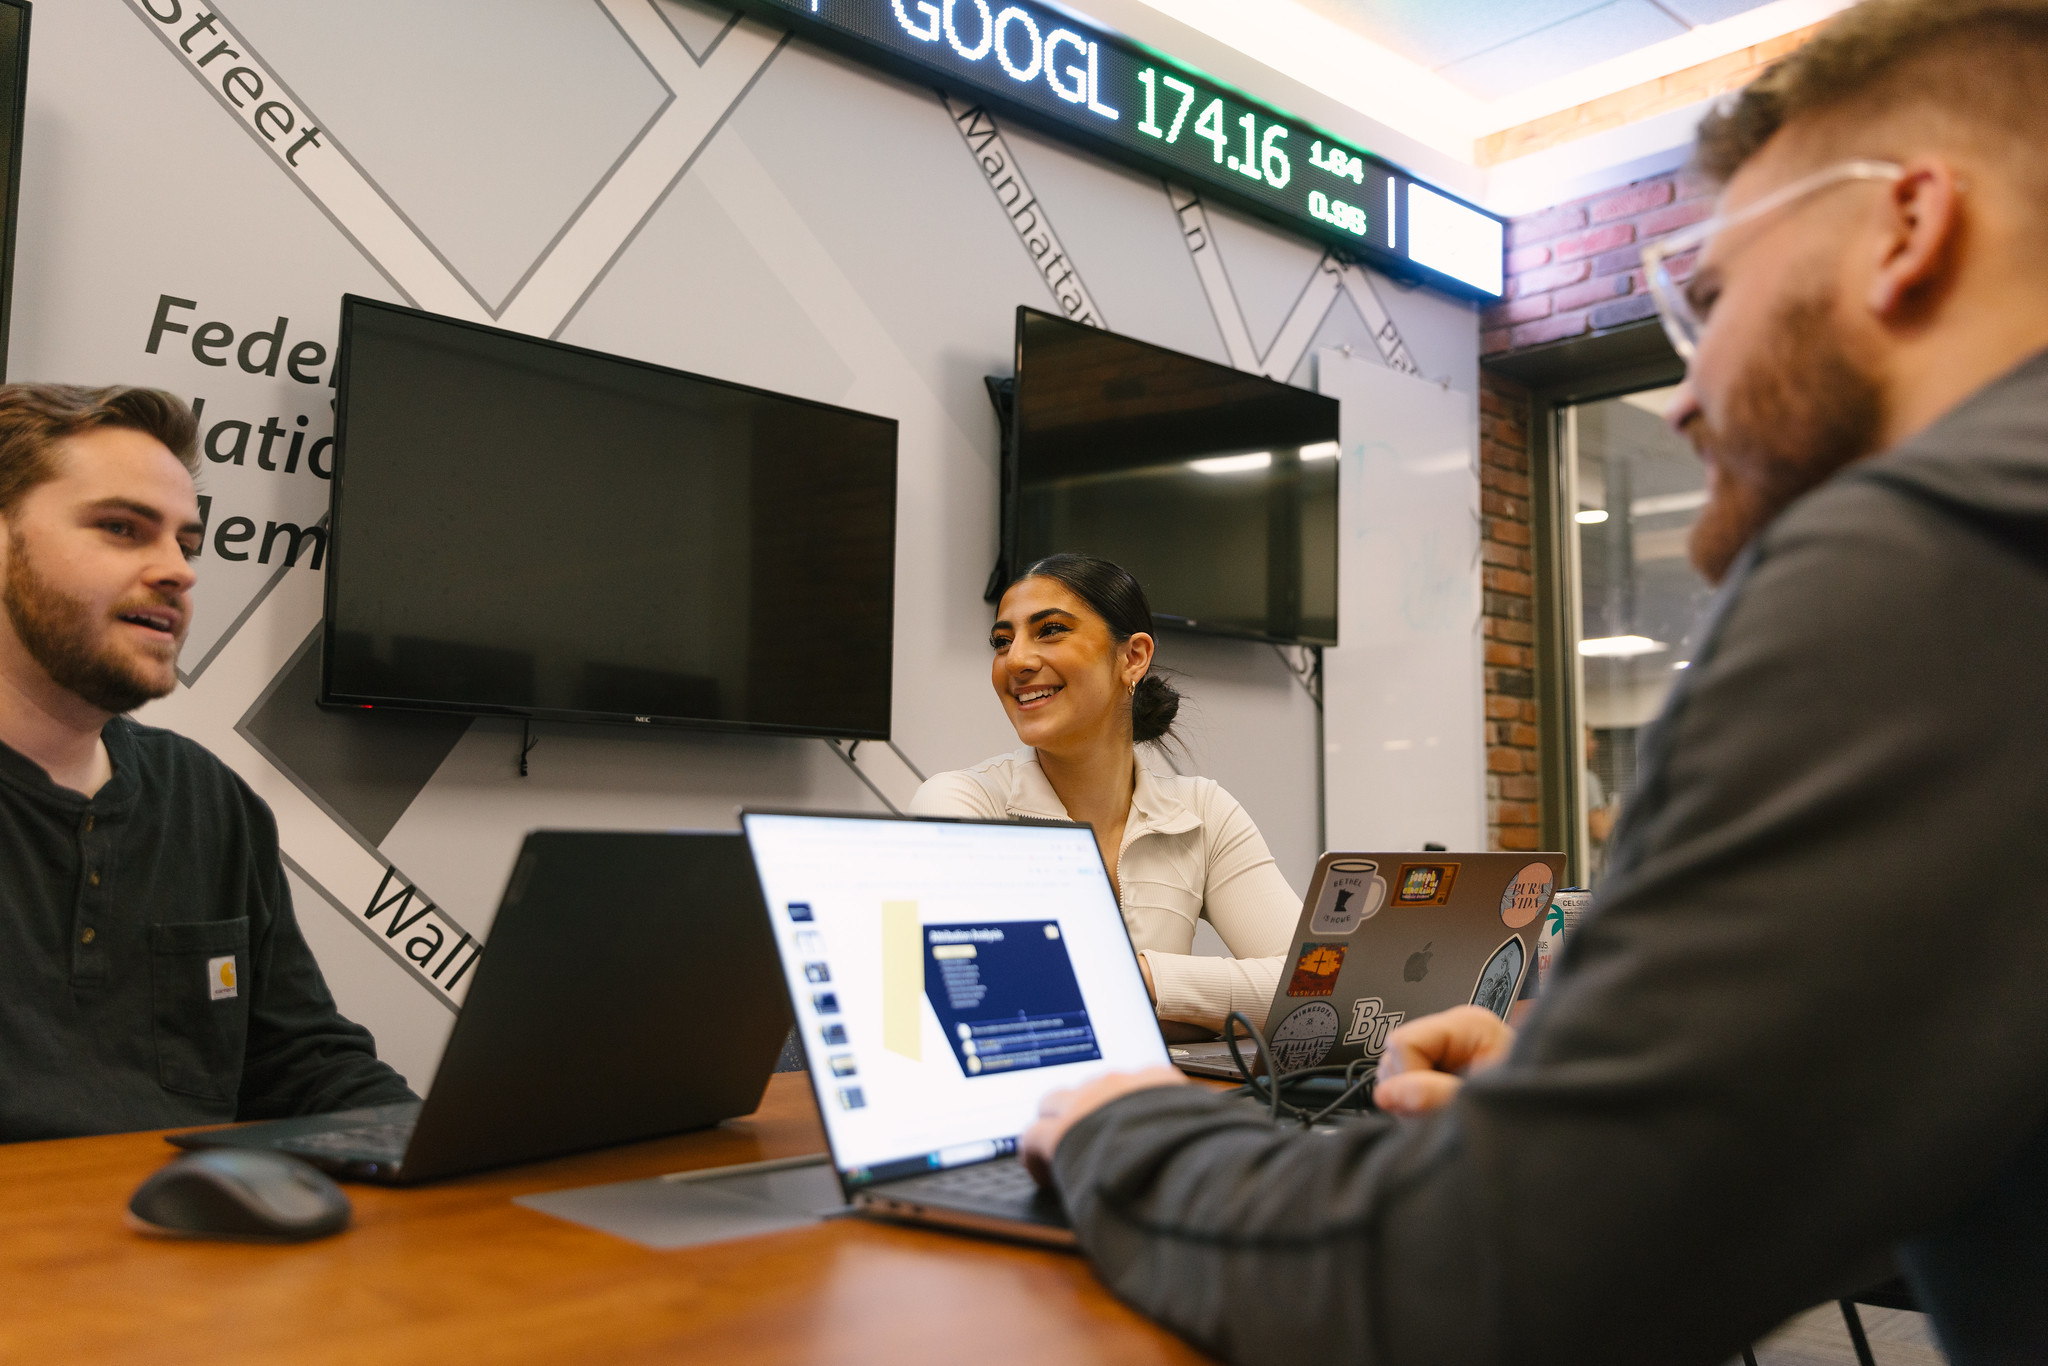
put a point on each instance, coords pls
(151, 971)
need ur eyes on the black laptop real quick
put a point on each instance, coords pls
(613, 959)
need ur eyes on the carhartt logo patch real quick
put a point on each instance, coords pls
(220, 978)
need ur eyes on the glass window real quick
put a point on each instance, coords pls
(1635, 488)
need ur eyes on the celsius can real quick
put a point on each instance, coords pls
(1565, 909)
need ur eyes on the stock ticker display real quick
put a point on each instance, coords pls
(1068, 77)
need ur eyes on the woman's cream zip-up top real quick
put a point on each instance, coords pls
(1189, 850)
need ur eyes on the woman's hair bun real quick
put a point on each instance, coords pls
(1154, 704)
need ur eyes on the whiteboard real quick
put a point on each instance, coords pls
(1403, 728)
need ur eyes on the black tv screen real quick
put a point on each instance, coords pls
(528, 528)
(1216, 488)
(13, 96)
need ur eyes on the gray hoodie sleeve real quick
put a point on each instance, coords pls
(1805, 1022)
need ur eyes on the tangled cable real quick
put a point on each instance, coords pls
(1268, 1086)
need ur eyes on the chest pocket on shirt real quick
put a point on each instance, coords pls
(200, 1007)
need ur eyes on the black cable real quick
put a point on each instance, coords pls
(1267, 1088)
(1352, 1085)
(1264, 1052)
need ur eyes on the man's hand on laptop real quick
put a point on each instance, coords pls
(1059, 1111)
(1427, 1060)
(1425, 1064)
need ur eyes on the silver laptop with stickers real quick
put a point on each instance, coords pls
(1384, 938)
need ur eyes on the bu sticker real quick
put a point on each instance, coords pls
(1352, 894)
(1527, 897)
(1305, 1038)
(220, 978)
(1315, 971)
(1371, 1022)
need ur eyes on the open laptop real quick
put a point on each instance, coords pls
(629, 991)
(1384, 938)
(946, 974)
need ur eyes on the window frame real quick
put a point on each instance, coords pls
(1559, 377)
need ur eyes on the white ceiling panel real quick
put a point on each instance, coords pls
(1496, 47)
(1613, 30)
(1436, 33)
(1711, 11)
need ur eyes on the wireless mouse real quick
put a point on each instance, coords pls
(245, 1194)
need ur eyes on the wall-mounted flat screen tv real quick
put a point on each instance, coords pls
(522, 527)
(13, 95)
(1216, 488)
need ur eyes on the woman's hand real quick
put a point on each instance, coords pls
(1427, 1060)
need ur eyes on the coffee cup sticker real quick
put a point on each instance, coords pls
(1527, 897)
(1352, 894)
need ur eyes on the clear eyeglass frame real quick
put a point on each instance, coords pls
(1682, 323)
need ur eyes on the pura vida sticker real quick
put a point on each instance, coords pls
(1527, 897)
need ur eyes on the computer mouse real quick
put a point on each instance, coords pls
(246, 1194)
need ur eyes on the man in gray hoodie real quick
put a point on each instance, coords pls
(1805, 1027)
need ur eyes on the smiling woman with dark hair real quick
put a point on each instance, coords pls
(1073, 668)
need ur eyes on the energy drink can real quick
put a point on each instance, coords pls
(1563, 917)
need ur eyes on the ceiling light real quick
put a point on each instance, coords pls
(1683, 664)
(1591, 517)
(1232, 464)
(1322, 450)
(1620, 647)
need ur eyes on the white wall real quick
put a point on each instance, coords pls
(640, 177)
(1404, 742)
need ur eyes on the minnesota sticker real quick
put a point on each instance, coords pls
(1315, 971)
(220, 978)
(1305, 1037)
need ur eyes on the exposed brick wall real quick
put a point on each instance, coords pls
(1578, 267)
(1513, 787)
(1661, 96)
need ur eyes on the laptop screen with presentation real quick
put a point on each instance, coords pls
(945, 975)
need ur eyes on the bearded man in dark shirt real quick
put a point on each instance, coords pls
(1802, 1029)
(151, 971)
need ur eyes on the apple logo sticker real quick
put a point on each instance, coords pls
(1417, 966)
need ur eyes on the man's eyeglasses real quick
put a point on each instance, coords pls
(1668, 262)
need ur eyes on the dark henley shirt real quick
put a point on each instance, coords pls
(117, 1011)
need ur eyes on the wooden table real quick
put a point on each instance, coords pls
(455, 1272)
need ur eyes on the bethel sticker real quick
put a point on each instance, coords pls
(220, 978)
(1351, 896)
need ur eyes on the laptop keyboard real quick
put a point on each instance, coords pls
(1002, 1181)
(377, 1142)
